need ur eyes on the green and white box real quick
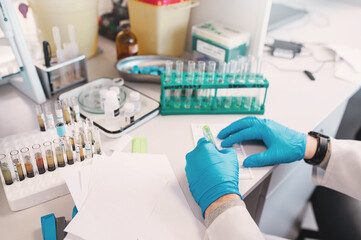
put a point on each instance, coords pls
(219, 42)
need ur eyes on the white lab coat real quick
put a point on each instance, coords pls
(343, 174)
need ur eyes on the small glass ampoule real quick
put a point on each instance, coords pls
(41, 118)
(25, 153)
(39, 158)
(68, 150)
(59, 152)
(75, 108)
(58, 111)
(49, 115)
(97, 145)
(66, 110)
(79, 148)
(18, 169)
(190, 78)
(4, 165)
(49, 154)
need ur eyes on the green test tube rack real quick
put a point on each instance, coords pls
(214, 94)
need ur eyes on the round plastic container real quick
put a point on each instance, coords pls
(83, 14)
(160, 25)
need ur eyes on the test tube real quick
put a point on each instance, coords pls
(190, 78)
(49, 115)
(89, 124)
(210, 79)
(73, 133)
(75, 109)
(68, 149)
(199, 80)
(49, 154)
(242, 68)
(58, 111)
(39, 158)
(25, 153)
(231, 80)
(79, 148)
(97, 145)
(18, 169)
(41, 118)
(5, 169)
(66, 111)
(59, 152)
(179, 80)
(168, 71)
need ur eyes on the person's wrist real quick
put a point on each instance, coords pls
(311, 147)
(220, 201)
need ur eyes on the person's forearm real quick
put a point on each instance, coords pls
(220, 201)
(311, 147)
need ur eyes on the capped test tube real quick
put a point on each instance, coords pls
(49, 154)
(58, 111)
(75, 109)
(18, 169)
(27, 162)
(59, 152)
(190, 78)
(79, 148)
(68, 150)
(5, 169)
(200, 79)
(179, 79)
(39, 158)
(49, 115)
(97, 145)
(66, 110)
(41, 118)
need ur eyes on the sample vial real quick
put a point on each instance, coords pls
(116, 90)
(126, 42)
(18, 169)
(5, 169)
(90, 125)
(96, 134)
(49, 115)
(73, 133)
(58, 111)
(39, 158)
(41, 118)
(111, 107)
(129, 113)
(59, 152)
(49, 154)
(68, 150)
(102, 93)
(25, 153)
(75, 109)
(66, 111)
(79, 149)
(134, 97)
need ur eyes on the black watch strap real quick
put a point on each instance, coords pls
(322, 147)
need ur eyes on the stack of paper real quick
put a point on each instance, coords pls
(129, 196)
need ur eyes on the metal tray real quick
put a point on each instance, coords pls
(127, 64)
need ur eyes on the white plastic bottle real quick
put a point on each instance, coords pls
(135, 99)
(129, 112)
(111, 107)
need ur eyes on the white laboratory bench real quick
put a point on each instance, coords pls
(292, 100)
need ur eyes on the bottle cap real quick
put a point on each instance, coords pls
(115, 89)
(60, 129)
(111, 96)
(128, 107)
(134, 96)
(118, 81)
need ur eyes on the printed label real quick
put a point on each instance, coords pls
(116, 112)
(211, 50)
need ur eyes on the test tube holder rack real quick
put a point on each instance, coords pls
(40, 188)
(246, 94)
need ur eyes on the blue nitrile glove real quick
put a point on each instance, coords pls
(284, 145)
(211, 173)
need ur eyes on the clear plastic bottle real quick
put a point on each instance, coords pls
(134, 98)
(126, 42)
(111, 107)
(129, 113)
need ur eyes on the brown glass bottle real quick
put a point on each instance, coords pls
(126, 41)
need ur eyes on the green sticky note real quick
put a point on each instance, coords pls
(139, 145)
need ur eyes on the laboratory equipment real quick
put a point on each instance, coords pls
(79, 148)
(164, 31)
(49, 115)
(58, 111)
(208, 134)
(5, 169)
(25, 153)
(215, 41)
(97, 144)
(74, 50)
(226, 91)
(27, 80)
(66, 110)
(190, 78)
(75, 109)
(39, 158)
(111, 107)
(41, 118)
(18, 169)
(126, 42)
(129, 112)
(49, 154)
(65, 141)
(59, 152)
(134, 98)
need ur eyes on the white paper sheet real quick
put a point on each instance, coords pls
(119, 204)
(244, 173)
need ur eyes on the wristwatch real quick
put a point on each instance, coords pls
(322, 147)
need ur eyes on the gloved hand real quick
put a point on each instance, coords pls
(211, 173)
(284, 145)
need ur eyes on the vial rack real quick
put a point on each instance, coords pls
(42, 187)
(214, 93)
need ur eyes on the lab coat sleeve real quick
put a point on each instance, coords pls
(343, 171)
(232, 222)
